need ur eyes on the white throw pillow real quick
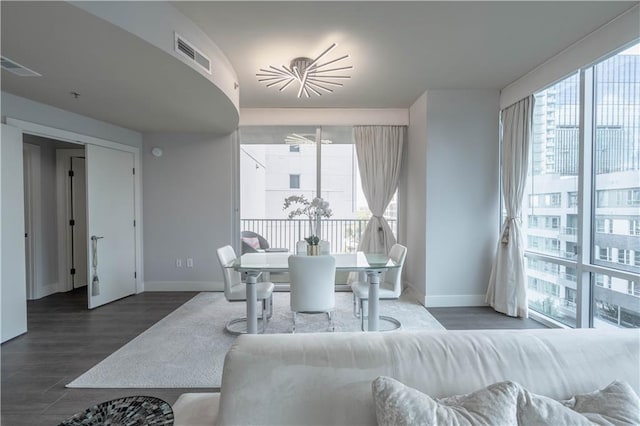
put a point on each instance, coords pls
(616, 404)
(504, 403)
(398, 404)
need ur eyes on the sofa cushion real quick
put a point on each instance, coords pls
(616, 404)
(504, 403)
(196, 409)
(398, 404)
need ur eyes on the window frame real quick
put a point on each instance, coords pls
(292, 179)
(585, 200)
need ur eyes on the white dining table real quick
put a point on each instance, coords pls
(254, 264)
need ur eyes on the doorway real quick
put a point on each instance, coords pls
(72, 191)
(72, 217)
(41, 214)
(113, 191)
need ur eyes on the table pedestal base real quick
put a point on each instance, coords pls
(229, 326)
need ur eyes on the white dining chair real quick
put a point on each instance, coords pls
(312, 286)
(236, 291)
(301, 248)
(390, 287)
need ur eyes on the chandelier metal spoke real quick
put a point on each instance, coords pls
(311, 76)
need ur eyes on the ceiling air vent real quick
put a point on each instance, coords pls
(187, 49)
(16, 68)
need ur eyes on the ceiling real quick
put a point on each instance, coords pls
(398, 50)
(121, 78)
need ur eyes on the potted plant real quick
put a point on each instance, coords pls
(314, 210)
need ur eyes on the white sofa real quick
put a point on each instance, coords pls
(325, 379)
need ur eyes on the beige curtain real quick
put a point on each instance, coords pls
(507, 286)
(379, 151)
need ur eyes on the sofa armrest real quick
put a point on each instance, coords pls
(196, 409)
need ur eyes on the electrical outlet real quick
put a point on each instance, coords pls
(178, 263)
(189, 262)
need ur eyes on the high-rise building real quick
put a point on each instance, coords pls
(550, 205)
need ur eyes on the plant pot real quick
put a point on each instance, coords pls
(313, 250)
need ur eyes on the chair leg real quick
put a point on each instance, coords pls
(294, 323)
(361, 313)
(265, 318)
(355, 306)
(332, 326)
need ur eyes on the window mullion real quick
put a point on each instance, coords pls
(318, 161)
(585, 200)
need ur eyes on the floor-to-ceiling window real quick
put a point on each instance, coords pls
(279, 161)
(615, 174)
(581, 208)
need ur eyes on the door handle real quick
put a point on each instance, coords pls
(94, 238)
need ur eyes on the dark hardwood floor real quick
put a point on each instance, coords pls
(479, 318)
(65, 339)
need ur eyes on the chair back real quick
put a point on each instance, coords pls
(393, 277)
(312, 280)
(325, 247)
(301, 248)
(226, 255)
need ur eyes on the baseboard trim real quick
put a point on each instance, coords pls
(466, 300)
(183, 286)
(415, 294)
(47, 290)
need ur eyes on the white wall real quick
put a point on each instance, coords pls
(462, 195)
(187, 209)
(415, 176)
(36, 112)
(452, 195)
(13, 293)
(323, 116)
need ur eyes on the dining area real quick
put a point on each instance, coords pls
(372, 277)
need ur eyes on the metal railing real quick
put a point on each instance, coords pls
(343, 234)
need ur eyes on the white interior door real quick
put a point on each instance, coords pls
(110, 217)
(79, 217)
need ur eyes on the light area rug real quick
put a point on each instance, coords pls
(186, 348)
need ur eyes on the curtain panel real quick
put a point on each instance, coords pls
(379, 152)
(507, 284)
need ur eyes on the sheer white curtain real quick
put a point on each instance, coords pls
(507, 285)
(379, 151)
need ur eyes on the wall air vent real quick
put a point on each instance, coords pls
(16, 68)
(187, 49)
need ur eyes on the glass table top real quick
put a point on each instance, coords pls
(274, 262)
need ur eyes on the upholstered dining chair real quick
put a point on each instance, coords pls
(390, 287)
(312, 286)
(301, 248)
(235, 290)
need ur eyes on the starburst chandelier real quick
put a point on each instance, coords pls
(312, 76)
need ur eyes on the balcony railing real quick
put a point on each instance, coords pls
(343, 234)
